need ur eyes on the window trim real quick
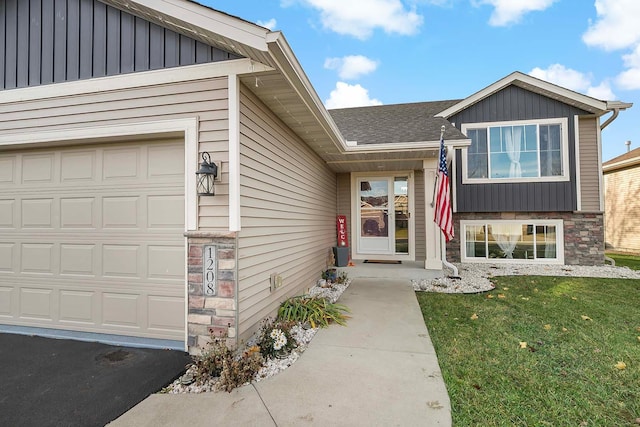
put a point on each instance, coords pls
(558, 223)
(564, 132)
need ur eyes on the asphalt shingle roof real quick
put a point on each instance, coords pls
(397, 123)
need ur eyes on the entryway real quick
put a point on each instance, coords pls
(384, 225)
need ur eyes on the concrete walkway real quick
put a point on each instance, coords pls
(380, 370)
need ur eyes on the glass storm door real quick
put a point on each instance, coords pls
(375, 235)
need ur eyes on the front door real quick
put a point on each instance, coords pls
(383, 215)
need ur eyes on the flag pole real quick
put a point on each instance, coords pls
(435, 182)
(443, 240)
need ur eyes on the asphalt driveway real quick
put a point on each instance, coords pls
(52, 382)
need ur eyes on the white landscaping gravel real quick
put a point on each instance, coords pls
(473, 278)
(476, 277)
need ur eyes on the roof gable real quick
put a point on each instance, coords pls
(541, 87)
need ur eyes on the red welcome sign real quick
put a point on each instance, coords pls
(341, 225)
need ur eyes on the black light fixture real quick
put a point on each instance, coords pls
(206, 175)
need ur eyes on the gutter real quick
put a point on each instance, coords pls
(615, 107)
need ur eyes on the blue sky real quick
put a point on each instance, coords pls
(369, 52)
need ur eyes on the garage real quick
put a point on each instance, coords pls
(91, 240)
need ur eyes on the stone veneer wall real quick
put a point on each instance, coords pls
(583, 233)
(219, 313)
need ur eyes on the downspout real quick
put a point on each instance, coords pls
(616, 111)
(607, 122)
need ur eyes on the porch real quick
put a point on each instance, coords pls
(409, 270)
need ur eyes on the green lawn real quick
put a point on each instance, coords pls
(540, 351)
(625, 260)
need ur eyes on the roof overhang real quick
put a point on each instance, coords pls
(278, 80)
(550, 90)
(622, 164)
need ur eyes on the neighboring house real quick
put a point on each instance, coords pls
(622, 202)
(106, 107)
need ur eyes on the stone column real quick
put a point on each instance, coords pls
(217, 313)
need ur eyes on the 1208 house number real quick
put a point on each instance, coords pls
(210, 274)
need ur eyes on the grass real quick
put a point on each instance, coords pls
(565, 374)
(626, 260)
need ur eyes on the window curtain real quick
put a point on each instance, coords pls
(513, 142)
(507, 237)
(549, 244)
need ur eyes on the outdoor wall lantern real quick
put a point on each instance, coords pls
(206, 175)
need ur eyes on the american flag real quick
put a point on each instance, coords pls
(443, 215)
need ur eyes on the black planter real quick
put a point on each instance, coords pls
(341, 255)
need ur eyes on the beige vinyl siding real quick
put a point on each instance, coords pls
(206, 99)
(419, 232)
(622, 204)
(589, 172)
(288, 208)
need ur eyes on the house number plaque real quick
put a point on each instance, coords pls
(210, 273)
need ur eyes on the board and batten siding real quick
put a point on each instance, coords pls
(288, 208)
(46, 41)
(622, 204)
(515, 103)
(589, 160)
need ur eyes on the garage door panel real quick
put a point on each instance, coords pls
(77, 212)
(120, 163)
(77, 259)
(165, 262)
(121, 261)
(7, 170)
(120, 309)
(78, 167)
(37, 213)
(91, 238)
(161, 162)
(6, 213)
(6, 300)
(77, 306)
(165, 212)
(38, 168)
(36, 303)
(164, 313)
(118, 212)
(37, 258)
(7, 257)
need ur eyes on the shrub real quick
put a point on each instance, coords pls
(275, 338)
(218, 360)
(318, 311)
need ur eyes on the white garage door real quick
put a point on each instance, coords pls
(91, 239)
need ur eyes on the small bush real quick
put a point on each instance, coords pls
(318, 311)
(275, 338)
(220, 361)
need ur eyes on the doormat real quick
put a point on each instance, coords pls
(380, 261)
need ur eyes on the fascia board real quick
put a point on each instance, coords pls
(406, 146)
(532, 81)
(206, 19)
(621, 165)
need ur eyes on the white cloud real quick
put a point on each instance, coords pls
(507, 12)
(574, 80)
(630, 79)
(617, 25)
(346, 95)
(602, 91)
(361, 18)
(270, 24)
(352, 66)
